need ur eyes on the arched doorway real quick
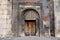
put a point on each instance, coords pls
(31, 22)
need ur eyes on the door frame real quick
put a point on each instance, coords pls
(33, 6)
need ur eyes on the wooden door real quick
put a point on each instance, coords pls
(30, 28)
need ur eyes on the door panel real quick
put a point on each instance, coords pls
(26, 27)
(30, 27)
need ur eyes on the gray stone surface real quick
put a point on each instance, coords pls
(30, 38)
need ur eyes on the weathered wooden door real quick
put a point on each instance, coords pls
(30, 28)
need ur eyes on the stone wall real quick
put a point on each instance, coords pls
(5, 17)
(8, 16)
(57, 17)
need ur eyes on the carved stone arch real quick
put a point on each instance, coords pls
(30, 9)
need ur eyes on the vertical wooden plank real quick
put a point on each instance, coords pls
(33, 27)
(26, 27)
